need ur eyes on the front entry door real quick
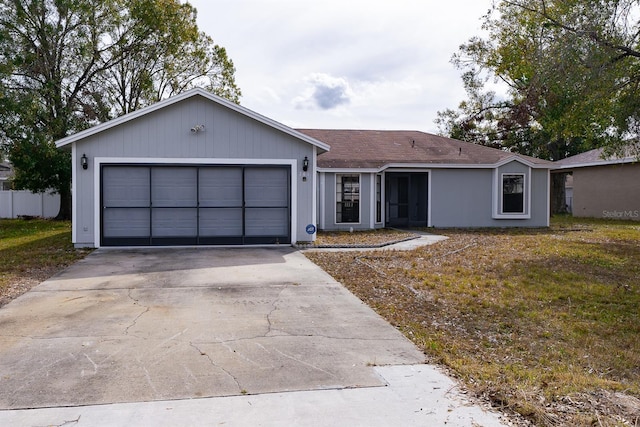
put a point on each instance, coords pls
(407, 199)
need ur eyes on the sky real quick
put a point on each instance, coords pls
(345, 64)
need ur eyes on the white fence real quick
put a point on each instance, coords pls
(18, 203)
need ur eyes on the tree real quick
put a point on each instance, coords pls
(571, 69)
(68, 64)
(174, 58)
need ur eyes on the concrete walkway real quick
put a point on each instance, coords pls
(425, 239)
(207, 337)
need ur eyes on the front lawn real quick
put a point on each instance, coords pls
(545, 323)
(32, 251)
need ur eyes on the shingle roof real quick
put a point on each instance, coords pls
(376, 148)
(593, 158)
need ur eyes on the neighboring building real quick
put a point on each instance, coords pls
(5, 175)
(198, 169)
(603, 187)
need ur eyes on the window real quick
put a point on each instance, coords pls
(347, 198)
(513, 194)
(378, 198)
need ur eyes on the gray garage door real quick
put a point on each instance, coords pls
(146, 205)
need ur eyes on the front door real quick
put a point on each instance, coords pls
(407, 199)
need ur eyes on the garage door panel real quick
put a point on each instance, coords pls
(220, 222)
(174, 222)
(266, 187)
(267, 222)
(126, 222)
(220, 187)
(174, 187)
(128, 186)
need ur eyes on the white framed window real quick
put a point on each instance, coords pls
(512, 199)
(512, 195)
(347, 198)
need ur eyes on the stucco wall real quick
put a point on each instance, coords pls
(607, 192)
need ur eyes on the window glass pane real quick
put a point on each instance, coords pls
(347, 198)
(513, 193)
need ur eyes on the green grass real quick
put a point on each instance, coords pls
(545, 323)
(33, 250)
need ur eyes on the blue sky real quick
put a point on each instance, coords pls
(347, 64)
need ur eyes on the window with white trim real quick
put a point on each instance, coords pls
(513, 193)
(347, 198)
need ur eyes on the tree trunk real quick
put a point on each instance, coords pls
(64, 214)
(558, 196)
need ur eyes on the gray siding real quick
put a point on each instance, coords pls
(465, 197)
(461, 197)
(166, 134)
(366, 202)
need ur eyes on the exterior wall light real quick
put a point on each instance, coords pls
(84, 162)
(305, 164)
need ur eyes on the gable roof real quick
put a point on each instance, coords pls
(379, 148)
(181, 97)
(594, 158)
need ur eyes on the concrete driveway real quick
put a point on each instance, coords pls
(163, 324)
(158, 325)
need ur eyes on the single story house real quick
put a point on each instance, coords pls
(603, 187)
(196, 169)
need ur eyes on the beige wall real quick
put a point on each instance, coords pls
(607, 192)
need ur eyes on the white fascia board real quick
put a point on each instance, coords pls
(193, 161)
(185, 95)
(390, 167)
(599, 163)
(349, 170)
(525, 162)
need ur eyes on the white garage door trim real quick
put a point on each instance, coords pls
(98, 161)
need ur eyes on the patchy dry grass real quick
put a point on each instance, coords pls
(32, 251)
(544, 323)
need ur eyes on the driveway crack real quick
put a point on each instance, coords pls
(135, 302)
(215, 365)
(274, 307)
